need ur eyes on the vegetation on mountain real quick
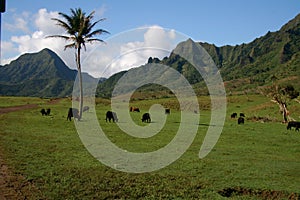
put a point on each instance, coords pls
(38, 74)
(246, 67)
(275, 54)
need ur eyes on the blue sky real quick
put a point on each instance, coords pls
(220, 22)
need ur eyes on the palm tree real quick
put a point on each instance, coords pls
(79, 29)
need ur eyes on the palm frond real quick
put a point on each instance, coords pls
(91, 15)
(91, 40)
(83, 44)
(92, 26)
(72, 45)
(63, 24)
(67, 17)
(96, 32)
(60, 36)
(79, 28)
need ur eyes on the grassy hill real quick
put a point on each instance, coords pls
(41, 74)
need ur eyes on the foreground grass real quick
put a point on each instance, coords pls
(253, 157)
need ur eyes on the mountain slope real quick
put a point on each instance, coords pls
(41, 74)
(276, 53)
(244, 66)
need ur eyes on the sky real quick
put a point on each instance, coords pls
(26, 23)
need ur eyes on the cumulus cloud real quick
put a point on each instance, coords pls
(36, 40)
(20, 22)
(156, 42)
(44, 23)
(99, 59)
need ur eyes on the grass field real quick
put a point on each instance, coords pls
(252, 161)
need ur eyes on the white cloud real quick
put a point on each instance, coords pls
(157, 43)
(20, 22)
(36, 40)
(99, 12)
(125, 50)
(44, 22)
(99, 59)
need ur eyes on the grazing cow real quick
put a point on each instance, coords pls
(167, 111)
(146, 118)
(233, 115)
(111, 116)
(85, 108)
(134, 109)
(48, 111)
(43, 111)
(242, 115)
(73, 112)
(241, 120)
(293, 124)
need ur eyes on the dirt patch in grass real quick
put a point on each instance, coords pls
(54, 101)
(263, 194)
(262, 119)
(14, 186)
(17, 108)
(27, 106)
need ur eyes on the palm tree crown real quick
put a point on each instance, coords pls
(79, 28)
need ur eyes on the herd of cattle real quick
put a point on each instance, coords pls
(241, 119)
(112, 116)
(46, 112)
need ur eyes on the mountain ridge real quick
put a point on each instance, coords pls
(243, 67)
(42, 74)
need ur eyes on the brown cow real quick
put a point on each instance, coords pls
(134, 109)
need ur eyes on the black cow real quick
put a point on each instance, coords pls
(293, 124)
(85, 108)
(43, 111)
(111, 116)
(233, 115)
(48, 111)
(241, 120)
(167, 111)
(73, 112)
(146, 118)
(242, 115)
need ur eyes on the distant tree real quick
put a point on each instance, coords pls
(150, 60)
(79, 31)
(281, 94)
(156, 60)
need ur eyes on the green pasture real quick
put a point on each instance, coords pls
(17, 101)
(251, 161)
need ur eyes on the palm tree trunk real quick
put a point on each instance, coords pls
(78, 62)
